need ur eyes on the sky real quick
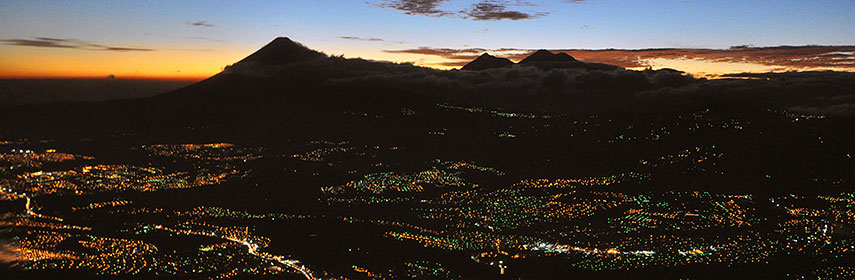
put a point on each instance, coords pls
(195, 39)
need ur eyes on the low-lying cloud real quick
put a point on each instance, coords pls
(574, 89)
(783, 57)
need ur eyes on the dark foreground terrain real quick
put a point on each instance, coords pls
(294, 165)
(16, 92)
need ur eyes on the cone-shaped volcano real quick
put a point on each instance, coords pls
(281, 51)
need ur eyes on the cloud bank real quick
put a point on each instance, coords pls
(785, 58)
(571, 90)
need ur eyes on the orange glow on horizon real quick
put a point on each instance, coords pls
(171, 63)
(82, 77)
(166, 64)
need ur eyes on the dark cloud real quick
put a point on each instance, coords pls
(120, 49)
(498, 10)
(45, 42)
(484, 10)
(418, 7)
(48, 43)
(201, 23)
(460, 55)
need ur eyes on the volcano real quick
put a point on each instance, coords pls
(547, 60)
(541, 56)
(281, 50)
(487, 61)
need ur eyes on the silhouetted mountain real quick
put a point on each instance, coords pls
(547, 56)
(285, 86)
(281, 51)
(487, 61)
(546, 60)
(542, 59)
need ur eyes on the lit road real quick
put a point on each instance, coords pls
(252, 249)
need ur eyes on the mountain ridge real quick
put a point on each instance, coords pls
(547, 56)
(543, 59)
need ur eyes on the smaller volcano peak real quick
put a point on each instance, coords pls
(547, 56)
(487, 61)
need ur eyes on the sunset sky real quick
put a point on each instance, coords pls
(196, 39)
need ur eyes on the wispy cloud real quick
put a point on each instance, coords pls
(206, 39)
(378, 40)
(453, 54)
(361, 39)
(45, 42)
(201, 23)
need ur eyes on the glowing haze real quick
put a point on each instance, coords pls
(195, 39)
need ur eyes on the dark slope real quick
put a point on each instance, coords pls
(487, 61)
(16, 92)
